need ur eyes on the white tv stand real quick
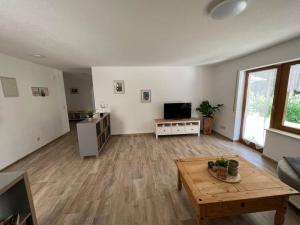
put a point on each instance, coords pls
(175, 127)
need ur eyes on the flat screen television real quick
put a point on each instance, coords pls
(177, 110)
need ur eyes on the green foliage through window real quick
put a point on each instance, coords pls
(292, 113)
(262, 106)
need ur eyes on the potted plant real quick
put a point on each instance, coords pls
(222, 168)
(89, 114)
(207, 111)
(233, 167)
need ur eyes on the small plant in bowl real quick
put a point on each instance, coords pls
(222, 162)
(222, 167)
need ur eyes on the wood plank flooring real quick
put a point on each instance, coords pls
(132, 182)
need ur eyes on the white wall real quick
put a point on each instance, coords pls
(225, 80)
(167, 84)
(84, 100)
(25, 118)
(280, 143)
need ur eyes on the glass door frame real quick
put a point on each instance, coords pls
(247, 74)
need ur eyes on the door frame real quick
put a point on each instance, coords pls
(247, 74)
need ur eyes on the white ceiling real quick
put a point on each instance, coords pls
(83, 33)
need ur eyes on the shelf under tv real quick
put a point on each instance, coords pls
(165, 127)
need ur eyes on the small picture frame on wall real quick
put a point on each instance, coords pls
(35, 91)
(119, 86)
(40, 91)
(146, 96)
(74, 91)
(9, 87)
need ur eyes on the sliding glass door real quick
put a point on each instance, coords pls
(257, 107)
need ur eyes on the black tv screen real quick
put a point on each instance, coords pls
(177, 110)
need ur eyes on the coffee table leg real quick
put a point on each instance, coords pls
(201, 219)
(280, 213)
(179, 182)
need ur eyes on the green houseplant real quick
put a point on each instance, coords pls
(208, 111)
(222, 162)
(222, 167)
(89, 114)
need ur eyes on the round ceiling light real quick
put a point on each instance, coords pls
(228, 8)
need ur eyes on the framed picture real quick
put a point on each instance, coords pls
(119, 87)
(9, 87)
(74, 90)
(40, 91)
(146, 96)
(35, 91)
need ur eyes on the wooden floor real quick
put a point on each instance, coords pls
(133, 182)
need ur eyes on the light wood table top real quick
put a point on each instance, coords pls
(208, 194)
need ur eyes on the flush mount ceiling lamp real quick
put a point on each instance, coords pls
(228, 8)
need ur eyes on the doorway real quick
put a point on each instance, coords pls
(79, 93)
(257, 105)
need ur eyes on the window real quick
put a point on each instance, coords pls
(286, 113)
(271, 99)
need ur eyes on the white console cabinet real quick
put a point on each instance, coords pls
(174, 127)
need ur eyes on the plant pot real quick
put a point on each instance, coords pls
(222, 172)
(233, 167)
(90, 119)
(208, 123)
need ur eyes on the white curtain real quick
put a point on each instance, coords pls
(260, 95)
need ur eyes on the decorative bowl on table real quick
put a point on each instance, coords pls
(225, 170)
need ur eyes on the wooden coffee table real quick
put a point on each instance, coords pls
(258, 191)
